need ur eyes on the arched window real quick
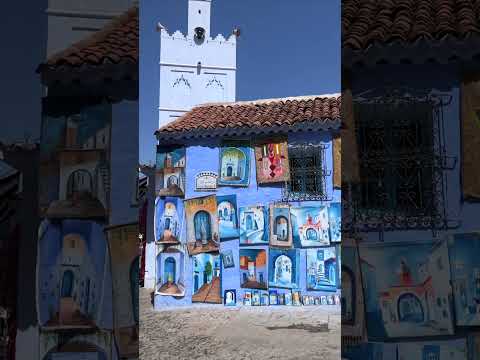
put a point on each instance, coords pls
(169, 270)
(283, 270)
(79, 182)
(410, 308)
(281, 228)
(202, 225)
(134, 284)
(67, 284)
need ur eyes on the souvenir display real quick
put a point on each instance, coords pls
(272, 163)
(202, 224)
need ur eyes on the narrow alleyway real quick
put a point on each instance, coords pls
(257, 333)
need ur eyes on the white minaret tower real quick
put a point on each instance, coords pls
(195, 68)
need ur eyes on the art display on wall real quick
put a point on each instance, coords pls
(322, 269)
(170, 172)
(227, 217)
(206, 181)
(335, 222)
(253, 225)
(170, 272)
(202, 224)
(253, 268)
(74, 164)
(465, 271)
(399, 280)
(283, 268)
(234, 164)
(168, 220)
(227, 259)
(280, 226)
(310, 226)
(206, 279)
(230, 297)
(451, 349)
(272, 163)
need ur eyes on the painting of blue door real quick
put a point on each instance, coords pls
(169, 272)
(134, 285)
(202, 225)
(67, 284)
(195, 283)
(410, 309)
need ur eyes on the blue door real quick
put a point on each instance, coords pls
(169, 273)
(203, 229)
(67, 284)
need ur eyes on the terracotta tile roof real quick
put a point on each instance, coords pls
(367, 22)
(253, 116)
(116, 43)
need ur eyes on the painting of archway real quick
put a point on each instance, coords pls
(79, 184)
(234, 165)
(170, 182)
(253, 225)
(280, 226)
(202, 224)
(283, 267)
(322, 269)
(168, 220)
(227, 217)
(410, 309)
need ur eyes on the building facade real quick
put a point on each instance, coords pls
(257, 212)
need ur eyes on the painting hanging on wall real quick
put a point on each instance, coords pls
(335, 222)
(253, 225)
(227, 259)
(227, 217)
(202, 224)
(280, 226)
(230, 297)
(406, 289)
(455, 349)
(168, 220)
(465, 270)
(170, 172)
(253, 268)
(234, 164)
(206, 279)
(272, 163)
(170, 276)
(310, 226)
(247, 298)
(322, 269)
(284, 267)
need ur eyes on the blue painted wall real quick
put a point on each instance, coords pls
(204, 156)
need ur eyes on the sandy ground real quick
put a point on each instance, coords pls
(257, 333)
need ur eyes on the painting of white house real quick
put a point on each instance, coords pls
(253, 225)
(227, 217)
(322, 271)
(310, 226)
(283, 268)
(234, 165)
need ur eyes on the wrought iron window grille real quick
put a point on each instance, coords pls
(402, 157)
(308, 174)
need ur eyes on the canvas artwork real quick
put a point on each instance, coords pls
(168, 158)
(168, 220)
(335, 222)
(202, 224)
(170, 172)
(256, 298)
(206, 279)
(281, 299)
(247, 298)
(170, 273)
(227, 259)
(317, 300)
(323, 300)
(253, 225)
(310, 226)
(74, 164)
(296, 296)
(234, 165)
(230, 297)
(272, 163)
(330, 300)
(407, 290)
(283, 268)
(264, 298)
(280, 226)
(227, 217)
(253, 268)
(306, 300)
(322, 269)
(450, 349)
(273, 297)
(288, 298)
(465, 270)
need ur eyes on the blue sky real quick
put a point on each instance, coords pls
(286, 48)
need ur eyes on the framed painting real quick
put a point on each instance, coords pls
(264, 298)
(455, 349)
(288, 298)
(227, 217)
(280, 226)
(234, 164)
(273, 297)
(284, 267)
(206, 279)
(272, 162)
(170, 272)
(256, 298)
(227, 259)
(465, 270)
(253, 225)
(323, 300)
(202, 224)
(322, 269)
(170, 157)
(281, 299)
(310, 226)
(335, 222)
(170, 171)
(230, 297)
(168, 220)
(253, 269)
(296, 298)
(403, 282)
(247, 298)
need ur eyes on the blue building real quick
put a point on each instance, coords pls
(247, 166)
